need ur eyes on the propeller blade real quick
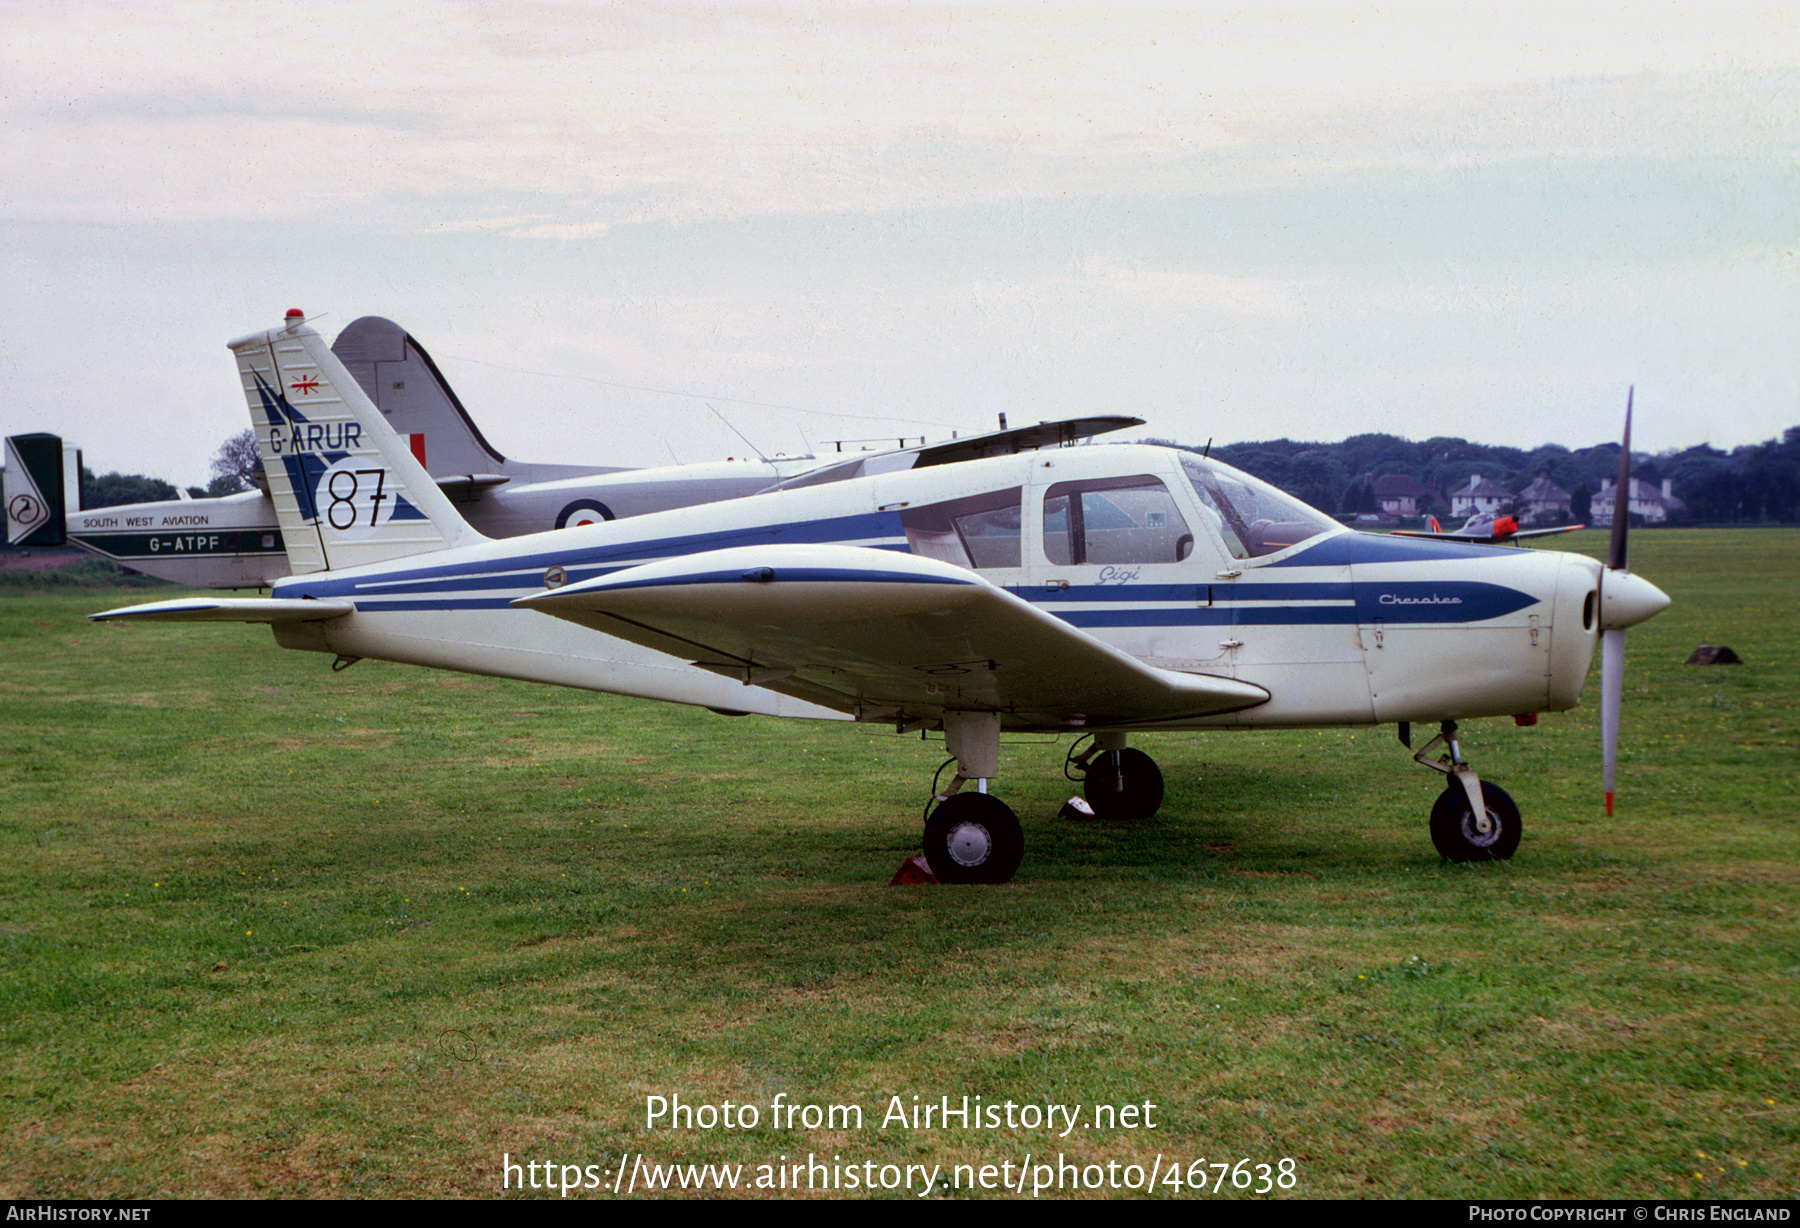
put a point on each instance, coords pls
(1612, 641)
(1612, 692)
(1617, 559)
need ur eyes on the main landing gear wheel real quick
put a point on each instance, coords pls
(1453, 828)
(1123, 784)
(973, 838)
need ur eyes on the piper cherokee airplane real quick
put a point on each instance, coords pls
(1487, 528)
(1096, 590)
(236, 541)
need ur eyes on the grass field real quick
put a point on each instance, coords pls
(271, 930)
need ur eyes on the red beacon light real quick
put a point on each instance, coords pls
(294, 313)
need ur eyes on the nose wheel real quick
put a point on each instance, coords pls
(1459, 830)
(1459, 836)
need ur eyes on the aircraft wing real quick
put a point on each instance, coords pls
(885, 636)
(229, 610)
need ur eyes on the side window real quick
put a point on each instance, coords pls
(975, 532)
(1114, 520)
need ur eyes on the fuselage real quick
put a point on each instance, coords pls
(1185, 564)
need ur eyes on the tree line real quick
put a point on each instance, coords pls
(1754, 484)
(233, 467)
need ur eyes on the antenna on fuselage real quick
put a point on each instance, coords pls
(1207, 450)
(722, 418)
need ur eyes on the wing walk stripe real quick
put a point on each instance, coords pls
(1204, 616)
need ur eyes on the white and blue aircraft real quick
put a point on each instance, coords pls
(1099, 590)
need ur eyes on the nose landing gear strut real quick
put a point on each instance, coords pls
(1473, 819)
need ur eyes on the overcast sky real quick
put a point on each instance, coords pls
(842, 220)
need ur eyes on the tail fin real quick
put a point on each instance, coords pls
(347, 490)
(40, 470)
(414, 397)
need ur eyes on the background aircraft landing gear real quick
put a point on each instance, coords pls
(1120, 782)
(973, 838)
(1459, 830)
(1458, 837)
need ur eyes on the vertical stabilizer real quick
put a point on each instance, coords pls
(414, 398)
(34, 490)
(347, 490)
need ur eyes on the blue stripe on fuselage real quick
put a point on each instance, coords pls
(1303, 590)
(482, 574)
(1211, 616)
(1404, 602)
(790, 575)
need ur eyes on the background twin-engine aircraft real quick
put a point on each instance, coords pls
(1093, 590)
(237, 542)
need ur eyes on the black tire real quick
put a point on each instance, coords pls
(1453, 825)
(973, 838)
(1142, 794)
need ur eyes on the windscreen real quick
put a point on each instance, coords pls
(1255, 518)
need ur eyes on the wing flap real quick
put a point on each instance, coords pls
(883, 635)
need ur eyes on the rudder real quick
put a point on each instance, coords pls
(36, 494)
(347, 489)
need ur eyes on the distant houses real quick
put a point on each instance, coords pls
(1543, 503)
(1398, 495)
(1480, 496)
(1646, 500)
(1540, 504)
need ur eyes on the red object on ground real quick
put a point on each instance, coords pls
(913, 870)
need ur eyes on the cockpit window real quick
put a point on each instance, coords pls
(1254, 518)
(1114, 520)
(975, 532)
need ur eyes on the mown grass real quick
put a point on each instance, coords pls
(270, 930)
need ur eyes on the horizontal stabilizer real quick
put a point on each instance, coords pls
(884, 635)
(229, 610)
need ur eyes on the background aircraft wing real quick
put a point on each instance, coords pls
(955, 451)
(885, 636)
(1487, 539)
